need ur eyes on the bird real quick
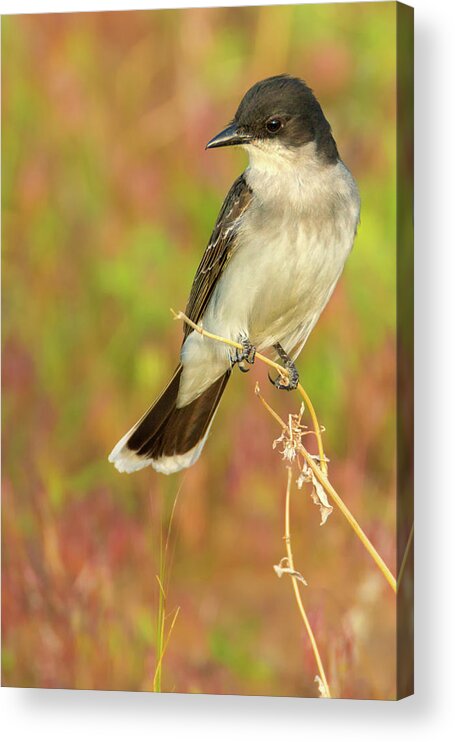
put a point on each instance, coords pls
(278, 248)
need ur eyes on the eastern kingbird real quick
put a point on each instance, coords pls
(275, 255)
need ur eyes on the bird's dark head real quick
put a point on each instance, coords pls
(281, 111)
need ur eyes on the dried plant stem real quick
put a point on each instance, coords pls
(180, 315)
(350, 518)
(316, 426)
(284, 373)
(295, 584)
(338, 501)
(320, 475)
(270, 409)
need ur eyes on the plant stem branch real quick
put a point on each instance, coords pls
(316, 427)
(320, 475)
(295, 584)
(350, 518)
(338, 501)
(180, 315)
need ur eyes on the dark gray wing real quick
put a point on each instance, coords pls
(218, 251)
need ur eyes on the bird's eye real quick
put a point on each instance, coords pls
(273, 125)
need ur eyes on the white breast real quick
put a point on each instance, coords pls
(293, 242)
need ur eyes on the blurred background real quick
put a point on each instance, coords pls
(108, 200)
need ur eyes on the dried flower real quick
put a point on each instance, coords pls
(318, 494)
(283, 568)
(291, 436)
(291, 445)
(320, 498)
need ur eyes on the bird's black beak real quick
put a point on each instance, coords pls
(229, 136)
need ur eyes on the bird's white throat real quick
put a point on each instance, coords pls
(295, 178)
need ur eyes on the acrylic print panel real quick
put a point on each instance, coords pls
(184, 582)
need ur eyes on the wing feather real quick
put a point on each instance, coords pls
(219, 250)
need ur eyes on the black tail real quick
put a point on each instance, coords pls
(168, 437)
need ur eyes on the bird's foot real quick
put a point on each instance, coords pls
(292, 381)
(246, 355)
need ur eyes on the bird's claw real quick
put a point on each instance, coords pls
(247, 354)
(287, 386)
(292, 380)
